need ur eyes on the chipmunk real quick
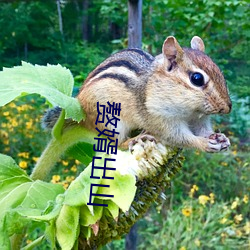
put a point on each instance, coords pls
(170, 96)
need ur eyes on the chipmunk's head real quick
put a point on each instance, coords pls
(197, 75)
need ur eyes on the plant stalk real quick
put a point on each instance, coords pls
(57, 147)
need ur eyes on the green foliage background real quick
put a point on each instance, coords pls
(30, 32)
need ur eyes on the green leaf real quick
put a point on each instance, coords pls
(112, 208)
(79, 190)
(20, 197)
(51, 215)
(14, 198)
(87, 218)
(122, 187)
(86, 231)
(9, 220)
(82, 151)
(27, 201)
(14, 223)
(4, 240)
(39, 194)
(53, 82)
(9, 168)
(38, 197)
(50, 234)
(6, 186)
(67, 226)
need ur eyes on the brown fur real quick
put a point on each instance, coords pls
(156, 94)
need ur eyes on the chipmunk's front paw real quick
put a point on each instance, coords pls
(217, 142)
(141, 139)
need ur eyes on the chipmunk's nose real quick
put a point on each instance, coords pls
(227, 108)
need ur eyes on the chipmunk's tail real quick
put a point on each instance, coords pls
(50, 117)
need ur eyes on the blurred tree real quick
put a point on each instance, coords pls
(58, 2)
(30, 31)
(86, 21)
(134, 23)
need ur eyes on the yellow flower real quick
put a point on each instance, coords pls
(77, 162)
(35, 159)
(187, 211)
(193, 190)
(4, 134)
(14, 123)
(238, 218)
(211, 195)
(224, 164)
(247, 227)
(6, 141)
(238, 159)
(238, 233)
(197, 242)
(23, 164)
(24, 107)
(203, 199)
(29, 124)
(55, 178)
(65, 163)
(24, 154)
(70, 178)
(223, 220)
(235, 203)
(223, 235)
(73, 168)
(183, 248)
(245, 199)
(6, 113)
(234, 152)
(6, 149)
(19, 108)
(12, 105)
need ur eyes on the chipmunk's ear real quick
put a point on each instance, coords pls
(197, 43)
(171, 49)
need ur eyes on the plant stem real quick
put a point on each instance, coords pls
(57, 146)
(16, 240)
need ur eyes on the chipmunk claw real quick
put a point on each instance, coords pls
(218, 142)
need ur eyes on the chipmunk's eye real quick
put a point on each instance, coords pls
(197, 79)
